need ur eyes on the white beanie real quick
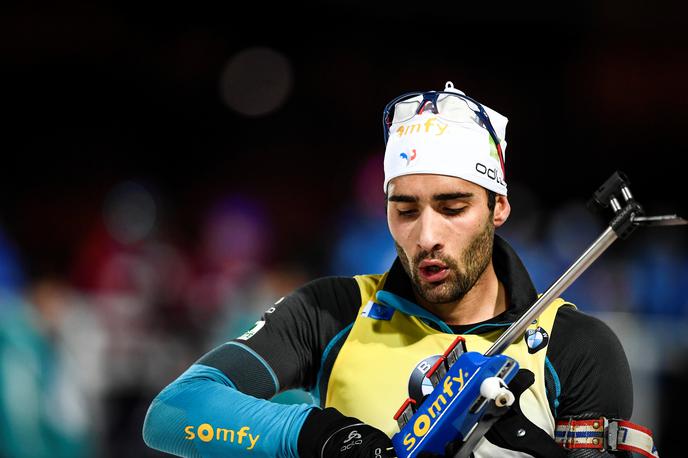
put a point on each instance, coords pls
(451, 142)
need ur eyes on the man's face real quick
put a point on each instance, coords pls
(443, 231)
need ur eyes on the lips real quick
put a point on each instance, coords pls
(432, 270)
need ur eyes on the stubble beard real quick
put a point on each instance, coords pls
(475, 259)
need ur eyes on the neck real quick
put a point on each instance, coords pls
(485, 300)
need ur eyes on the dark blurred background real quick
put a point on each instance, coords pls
(169, 172)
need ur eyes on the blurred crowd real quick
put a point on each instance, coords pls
(83, 353)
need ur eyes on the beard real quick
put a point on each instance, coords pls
(475, 259)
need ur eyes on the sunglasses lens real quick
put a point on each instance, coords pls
(404, 110)
(457, 109)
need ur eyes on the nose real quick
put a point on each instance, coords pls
(430, 231)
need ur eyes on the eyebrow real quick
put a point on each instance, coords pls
(453, 196)
(440, 197)
(403, 198)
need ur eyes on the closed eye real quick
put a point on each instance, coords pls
(407, 212)
(453, 211)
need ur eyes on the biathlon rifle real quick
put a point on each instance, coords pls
(470, 391)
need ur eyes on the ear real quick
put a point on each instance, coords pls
(502, 210)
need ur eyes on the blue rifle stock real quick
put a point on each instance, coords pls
(456, 405)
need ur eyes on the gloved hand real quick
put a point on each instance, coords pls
(328, 434)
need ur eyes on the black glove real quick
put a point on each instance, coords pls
(328, 434)
(514, 431)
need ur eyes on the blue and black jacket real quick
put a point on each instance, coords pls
(220, 406)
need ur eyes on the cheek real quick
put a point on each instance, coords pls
(397, 230)
(461, 231)
(402, 235)
(463, 227)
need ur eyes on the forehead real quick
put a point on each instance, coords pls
(430, 184)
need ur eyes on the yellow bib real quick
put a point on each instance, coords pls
(370, 377)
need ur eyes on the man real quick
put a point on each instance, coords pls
(362, 345)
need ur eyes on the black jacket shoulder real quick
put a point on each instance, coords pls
(589, 368)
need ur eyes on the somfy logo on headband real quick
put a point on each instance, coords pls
(430, 126)
(406, 156)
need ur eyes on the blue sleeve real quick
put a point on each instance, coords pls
(201, 414)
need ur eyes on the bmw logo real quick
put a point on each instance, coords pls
(536, 339)
(419, 385)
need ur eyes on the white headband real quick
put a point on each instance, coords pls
(451, 142)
